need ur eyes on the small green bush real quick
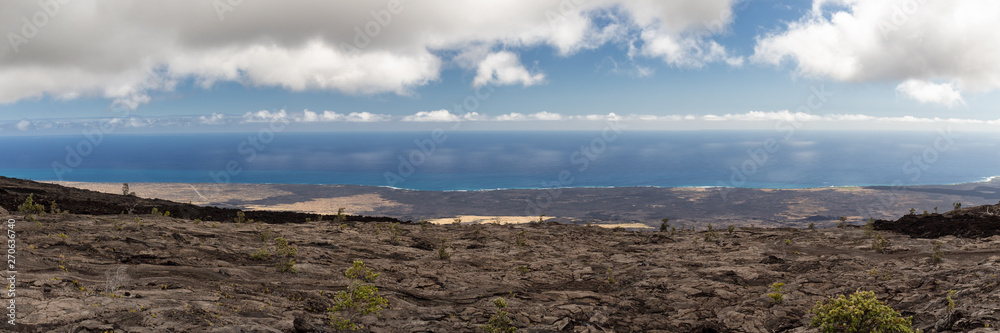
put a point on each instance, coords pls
(500, 321)
(777, 293)
(936, 254)
(442, 253)
(879, 243)
(859, 312)
(287, 266)
(261, 254)
(359, 299)
(664, 227)
(30, 207)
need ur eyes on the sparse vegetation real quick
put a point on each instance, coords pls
(859, 312)
(611, 277)
(500, 321)
(30, 207)
(957, 205)
(125, 190)
(261, 254)
(240, 217)
(287, 266)
(664, 226)
(442, 250)
(340, 214)
(951, 301)
(777, 293)
(879, 243)
(521, 239)
(731, 229)
(812, 226)
(936, 254)
(360, 299)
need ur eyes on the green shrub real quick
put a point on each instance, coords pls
(359, 299)
(859, 312)
(261, 254)
(731, 229)
(777, 293)
(287, 266)
(936, 254)
(30, 207)
(664, 227)
(442, 253)
(879, 243)
(240, 217)
(500, 321)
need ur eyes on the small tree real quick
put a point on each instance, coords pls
(860, 312)
(664, 227)
(360, 298)
(500, 321)
(125, 190)
(30, 207)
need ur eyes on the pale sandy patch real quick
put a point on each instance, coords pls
(486, 219)
(353, 205)
(523, 219)
(692, 194)
(624, 225)
(198, 194)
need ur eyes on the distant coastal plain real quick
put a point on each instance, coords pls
(630, 207)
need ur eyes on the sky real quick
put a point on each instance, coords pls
(235, 65)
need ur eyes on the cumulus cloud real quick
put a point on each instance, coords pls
(214, 119)
(514, 116)
(929, 92)
(126, 50)
(504, 68)
(23, 125)
(912, 41)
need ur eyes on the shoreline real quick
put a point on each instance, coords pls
(632, 206)
(983, 180)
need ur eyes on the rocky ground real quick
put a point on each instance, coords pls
(150, 273)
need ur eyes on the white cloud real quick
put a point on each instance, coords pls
(514, 116)
(366, 117)
(504, 68)
(913, 41)
(146, 47)
(686, 51)
(265, 116)
(929, 92)
(432, 116)
(23, 125)
(214, 119)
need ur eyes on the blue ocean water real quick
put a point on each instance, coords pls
(507, 160)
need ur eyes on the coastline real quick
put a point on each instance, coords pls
(631, 207)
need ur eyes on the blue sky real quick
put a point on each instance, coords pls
(213, 66)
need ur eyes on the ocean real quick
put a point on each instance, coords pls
(469, 161)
